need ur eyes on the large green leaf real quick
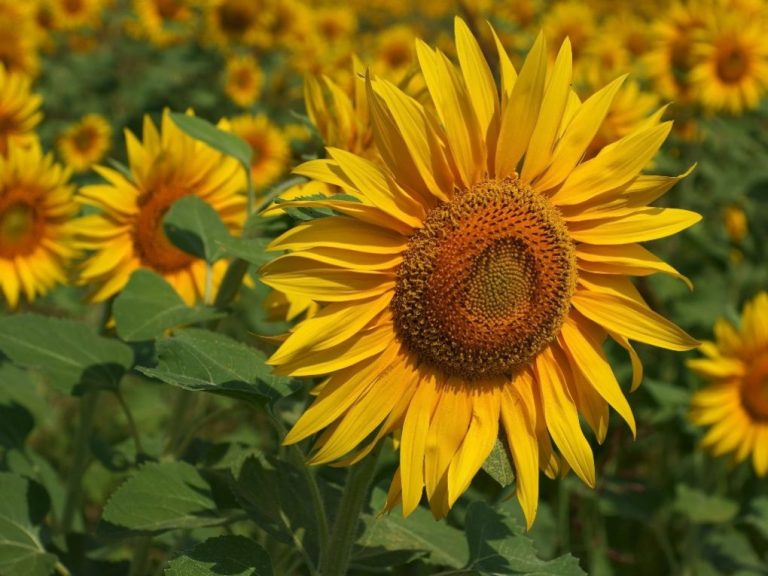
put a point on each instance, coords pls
(21, 552)
(497, 545)
(225, 142)
(201, 360)
(703, 508)
(163, 496)
(194, 226)
(148, 306)
(275, 494)
(393, 539)
(69, 353)
(225, 555)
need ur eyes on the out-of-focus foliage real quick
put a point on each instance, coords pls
(142, 435)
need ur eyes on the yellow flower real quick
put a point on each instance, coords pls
(394, 55)
(164, 22)
(19, 37)
(243, 80)
(735, 404)
(36, 210)
(732, 70)
(85, 143)
(570, 19)
(73, 14)
(245, 22)
(469, 289)
(271, 152)
(735, 221)
(19, 110)
(128, 232)
(670, 60)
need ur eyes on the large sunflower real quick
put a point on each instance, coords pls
(19, 110)
(735, 404)
(36, 210)
(128, 232)
(476, 277)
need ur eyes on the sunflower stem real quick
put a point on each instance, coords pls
(82, 450)
(336, 557)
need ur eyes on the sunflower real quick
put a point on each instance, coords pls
(128, 232)
(36, 210)
(19, 37)
(735, 404)
(74, 14)
(231, 22)
(573, 20)
(671, 58)
(19, 110)
(164, 22)
(85, 142)
(243, 80)
(732, 69)
(271, 151)
(476, 277)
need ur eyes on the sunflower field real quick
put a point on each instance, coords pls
(299, 287)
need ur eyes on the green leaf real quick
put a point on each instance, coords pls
(275, 494)
(252, 250)
(15, 425)
(225, 142)
(163, 496)
(69, 353)
(497, 545)
(391, 534)
(194, 226)
(148, 306)
(225, 555)
(498, 464)
(702, 508)
(758, 515)
(21, 551)
(201, 360)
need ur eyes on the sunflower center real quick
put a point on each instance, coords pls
(236, 16)
(152, 244)
(732, 65)
(486, 284)
(168, 9)
(18, 229)
(754, 392)
(85, 138)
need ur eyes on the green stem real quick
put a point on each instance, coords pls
(140, 556)
(62, 570)
(176, 429)
(131, 422)
(321, 518)
(337, 556)
(563, 514)
(82, 451)
(230, 284)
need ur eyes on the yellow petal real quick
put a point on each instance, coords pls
(478, 442)
(333, 325)
(587, 356)
(626, 259)
(577, 136)
(520, 428)
(552, 108)
(340, 232)
(637, 365)
(365, 414)
(519, 117)
(413, 440)
(562, 418)
(615, 166)
(368, 343)
(340, 391)
(632, 320)
(451, 100)
(642, 225)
